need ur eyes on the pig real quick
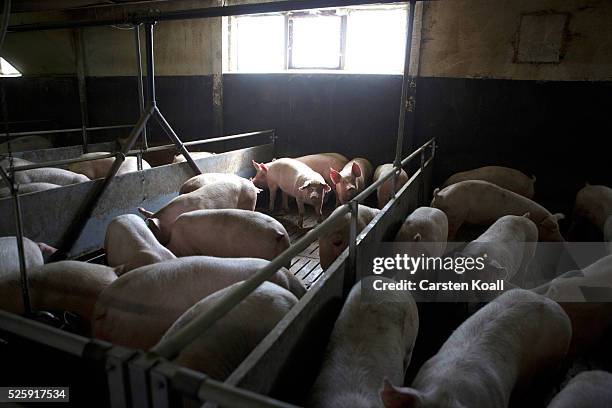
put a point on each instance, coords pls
(140, 306)
(28, 188)
(25, 143)
(482, 203)
(589, 389)
(229, 193)
(500, 348)
(296, 179)
(384, 193)
(590, 318)
(130, 244)
(9, 255)
(352, 179)
(204, 179)
(99, 168)
(594, 204)
(49, 175)
(371, 341)
(221, 348)
(228, 233)
(332, 244)
(66, 285)
(504, 177)
(428, 228)
(323, 162)
(508, 245)
(179, 158)
(5, 162)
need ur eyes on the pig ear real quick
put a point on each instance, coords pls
(334, 176)
(326, 188)
(527, 214)
(558, 216)
(356, 170)
(417, 237)
(145, 213)
(399, 397)
(255, 165)
(304, 186)
(550, 222)
(436, 191)
(263, 167)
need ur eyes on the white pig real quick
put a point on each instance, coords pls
(482, 203)
(204, 179)
(508, 245)
(322, 162)
(99, 168)
(9, 255)
(26, 143)
(229, 193)
(428, 228)
(594, 204)
(65, 285)
(503, 346)
(589, 389)
(296, 179)
(372, 340)
(384, 193)
(221, 349)
(590, 319)
(352, 179)
(505, 177)
(179, 158)
(334, 242)
(228, 233)
(49, 175)
(28, 188)
(130, 244)
(140, 306)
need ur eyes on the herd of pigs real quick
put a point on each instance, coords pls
(166, 269)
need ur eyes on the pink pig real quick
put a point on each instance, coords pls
(352, 179)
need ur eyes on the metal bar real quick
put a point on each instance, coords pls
(204, 141)
(405, 85)
(148, 31)
(174, 137)
(75, 229)
(151, 16)
(61, 162)
(141, 99)
(80, 59)
(352, 259)
(70, 130)
(172, 345)
(50, 336)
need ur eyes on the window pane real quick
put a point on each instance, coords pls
(260, 43)
(316, 42)
(376, 40)
(6, 69)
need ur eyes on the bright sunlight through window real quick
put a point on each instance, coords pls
(366, 39)
(7, 70)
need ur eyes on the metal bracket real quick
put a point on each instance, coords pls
(117, 375)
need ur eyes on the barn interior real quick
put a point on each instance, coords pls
(430, 87)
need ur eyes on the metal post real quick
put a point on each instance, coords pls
(421, 194)
(25, 289)
(141, 101)
(273, 139)
(173, 136)
(405, 85)
(80, 59)
(352, 259)
(148, 30)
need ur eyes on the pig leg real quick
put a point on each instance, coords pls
(272, 198)
(319, 211)
(285, 202)
(300, 205)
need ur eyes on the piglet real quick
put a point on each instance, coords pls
(322, 162)
(295, 179)
(28, 188)
(179, 158)
(205, 179)
(352, 179)
(130, 244)
(504, 177)
(384, 193)
(482, 203)
(49, 175)
(228, 233)
(99, 168)
(221, 349)
(371, 340)
(594, 205)
(332, 244)
(9, 255)
(503, 346)
(228, 193)
(589, 389)
(427, 228)
(508, 247)
(140, 306)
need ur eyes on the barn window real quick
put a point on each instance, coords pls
(368, 39)
(8, 70)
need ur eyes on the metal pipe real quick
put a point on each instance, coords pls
(70, 130)
(67, 342)
(148, 30)
(179, 144)
(6, 16)
(405, 85)
(80, 58)
(141, 101)
(75, 229)
(352, 259)
(61, 162)
(172, 345)
(151, 16)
